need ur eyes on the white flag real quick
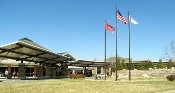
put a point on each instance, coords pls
(132, 20)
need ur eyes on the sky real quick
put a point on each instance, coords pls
(77, 26)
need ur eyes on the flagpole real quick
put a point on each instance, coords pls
(116, 45)
(105, 50)
(129, 48)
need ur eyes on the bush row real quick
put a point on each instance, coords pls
(76, 76)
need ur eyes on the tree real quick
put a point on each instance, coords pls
(160, 64)
(119, 65)
(146, 66)
(124, 66)
(150, 64)
(113, 60)
(131, 66)
(170, 64)
(140, 67)
(113, 68)
(170, 51)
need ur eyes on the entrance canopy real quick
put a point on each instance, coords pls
(26, 50)
(83, 63)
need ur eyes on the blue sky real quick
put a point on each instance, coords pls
(77, 26)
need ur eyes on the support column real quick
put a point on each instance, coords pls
(64, 69)
(48, 69)
(53, 71)
(85, 71)
(9, 72)
(35, 71)
(73, 71)
(95, 70)
(110, 71)
(39, 71)
(21, 71)
(102, 69)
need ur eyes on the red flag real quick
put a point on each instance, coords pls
(109, 27)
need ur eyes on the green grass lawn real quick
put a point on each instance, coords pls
(85, 86)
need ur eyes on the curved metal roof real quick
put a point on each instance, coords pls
(84, 63)
(27, 50)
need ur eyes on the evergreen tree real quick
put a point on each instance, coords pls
(140, 67)
(146, 66)
(119, 65)
(124, 66)
(150, 64)
(113, 68)
(170, 64)
(112, 60)
(160, 64)
(131, 66)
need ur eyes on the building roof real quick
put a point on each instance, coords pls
(83, 63)
(27, 50)
(11, 62)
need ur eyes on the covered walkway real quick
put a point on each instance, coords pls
(25, 50)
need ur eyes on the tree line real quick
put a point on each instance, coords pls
(121, 64)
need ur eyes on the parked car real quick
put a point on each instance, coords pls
(100, 76)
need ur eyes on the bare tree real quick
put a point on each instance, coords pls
(170, 51)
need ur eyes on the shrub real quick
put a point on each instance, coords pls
(76, 76)
(80, 76)
(72, 76)
(170, 77)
